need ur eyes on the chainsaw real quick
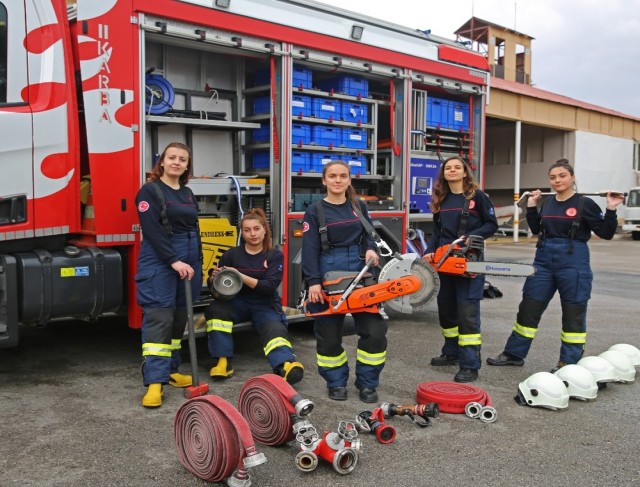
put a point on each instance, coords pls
(405, 284)
(463, 257)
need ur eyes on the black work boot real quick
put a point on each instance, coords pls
(338, 393)
(505, 359)
(466, 375)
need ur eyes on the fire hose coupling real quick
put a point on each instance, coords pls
(418, 413)
(373, 422)
(303, 406)
(486, 414)
(332, 447)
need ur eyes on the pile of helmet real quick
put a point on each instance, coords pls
(580, 381)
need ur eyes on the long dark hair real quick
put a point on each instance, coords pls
(259, 215)
(441, 187)
(350, 192)
(158, 169)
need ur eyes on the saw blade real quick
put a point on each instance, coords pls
(411, 264)
(508, 269)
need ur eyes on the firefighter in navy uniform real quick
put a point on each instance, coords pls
(564, 225)
(346, 248)
(170, 252)
(258, 301)
(459, 209)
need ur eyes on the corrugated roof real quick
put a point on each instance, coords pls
(527, 90)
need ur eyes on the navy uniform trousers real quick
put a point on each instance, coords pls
(161, 293)
(370, 328)
(563, 266)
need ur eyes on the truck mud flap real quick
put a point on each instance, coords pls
(8, 302)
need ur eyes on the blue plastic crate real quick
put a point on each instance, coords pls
(349, 85)
(438, 112)
(262, 134)
(319, 159)
(261, 105)
(301, 105)
(300, 161)
(326, 136)
(302, 77)
(459, 118)
(355, 112)
(354, 138)
(357, 164)
(261, 160)
(326, 108)
(300, 133)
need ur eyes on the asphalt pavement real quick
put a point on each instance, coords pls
(70, 412)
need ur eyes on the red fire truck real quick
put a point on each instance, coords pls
(264, 91)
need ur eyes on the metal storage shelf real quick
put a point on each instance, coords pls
(197, 122)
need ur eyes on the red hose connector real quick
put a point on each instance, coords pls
(453, 397)
(212, 439)
(373, 422)
(334, 448)
(268, 403)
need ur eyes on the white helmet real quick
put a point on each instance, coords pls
(601, 369)
(629, 350)
(543, 389)
(625, 371)
(581, 384)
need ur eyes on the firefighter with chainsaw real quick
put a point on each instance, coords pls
(564, 224)
(335, 239)
(260, 268)
(170, 252)
(459, 209)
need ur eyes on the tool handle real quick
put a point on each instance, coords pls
(192, 335)
(353, 284)
(602, 194)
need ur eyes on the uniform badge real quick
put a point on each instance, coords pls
(143, 206)
(266, 266)
(472, 204)
(571, 212)
(305, 226)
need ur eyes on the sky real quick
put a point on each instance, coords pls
(588, 50)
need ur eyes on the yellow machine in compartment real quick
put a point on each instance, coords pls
(217, 235)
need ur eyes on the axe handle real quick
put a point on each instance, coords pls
(353, 284)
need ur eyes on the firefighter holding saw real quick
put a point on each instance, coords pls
(564, 224)
(459, 209)
(335, 239)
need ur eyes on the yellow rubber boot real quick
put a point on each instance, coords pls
(153, 397)
(180, 380)
(293, 372)
(222, 370)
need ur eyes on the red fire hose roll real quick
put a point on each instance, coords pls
(268, 403)
(451, 397)
(212, 439)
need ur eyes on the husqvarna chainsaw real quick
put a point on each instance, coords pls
(463, 257)
(405, 284)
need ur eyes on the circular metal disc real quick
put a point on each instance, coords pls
(429, 282)
(226, 284)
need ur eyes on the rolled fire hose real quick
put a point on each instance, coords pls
(212, 440)
(269, 404)
(456, 398)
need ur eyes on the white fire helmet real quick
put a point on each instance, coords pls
(625, 371)
(629, 350)
(543, 389)
(581, 384)
(601, 369)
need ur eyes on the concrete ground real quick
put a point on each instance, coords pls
(70, 411)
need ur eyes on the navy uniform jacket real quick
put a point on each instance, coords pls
(555, 218)
(182, 213)
(266, 267)
(481, 220)
(344, 229)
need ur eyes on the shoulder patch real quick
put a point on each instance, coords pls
(305, 226)
(143, 206)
